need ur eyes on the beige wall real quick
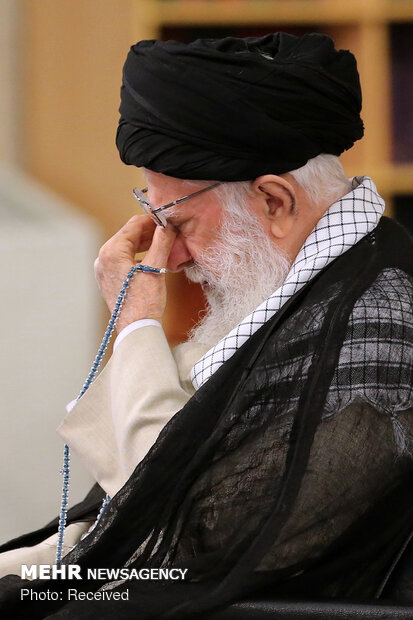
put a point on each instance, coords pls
(9, 66)
(74, 52)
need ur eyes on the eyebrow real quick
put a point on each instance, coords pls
(173, 212)
(170, 212)
(176, 223)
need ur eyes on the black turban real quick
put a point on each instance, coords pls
(232, 109)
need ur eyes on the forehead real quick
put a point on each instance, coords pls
(161, 183)
(163, 189)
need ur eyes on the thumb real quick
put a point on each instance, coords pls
(162, 242)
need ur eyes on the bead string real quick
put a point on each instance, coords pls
(65, 470)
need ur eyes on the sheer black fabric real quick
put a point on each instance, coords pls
(284, 470)
(222, 108)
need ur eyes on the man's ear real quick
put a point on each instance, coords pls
(278, 200)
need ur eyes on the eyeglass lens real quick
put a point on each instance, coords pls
(159, 219)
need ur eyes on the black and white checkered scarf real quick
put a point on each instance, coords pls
(346, 222)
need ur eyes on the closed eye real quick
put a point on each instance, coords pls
(176, 223)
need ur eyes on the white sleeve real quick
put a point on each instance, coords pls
(120, 416)
(131, 327)
(122, 334)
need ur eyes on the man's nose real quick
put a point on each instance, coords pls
(179, 256)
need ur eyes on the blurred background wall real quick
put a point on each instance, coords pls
(60, 72)
(9, 68)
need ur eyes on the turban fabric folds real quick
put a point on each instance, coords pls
(232, 109)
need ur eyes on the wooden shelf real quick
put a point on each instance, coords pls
(298, 12)
(363, 26)
(250, 12)
(399, 10)
(390, 179)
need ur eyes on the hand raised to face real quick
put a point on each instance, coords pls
(146, 293)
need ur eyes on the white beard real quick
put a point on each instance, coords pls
(242, 269)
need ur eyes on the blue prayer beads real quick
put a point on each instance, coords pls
(65, 471)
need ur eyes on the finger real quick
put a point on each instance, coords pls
(144, 246)
(163, 240)
(138, 230)
(145, 241)
(137, 223)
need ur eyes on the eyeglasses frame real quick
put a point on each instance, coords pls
(154, 211)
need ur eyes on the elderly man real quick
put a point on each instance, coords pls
(272, 446)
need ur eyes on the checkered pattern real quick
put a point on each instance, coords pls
(376, 359)
(346, 222)
(375, 364)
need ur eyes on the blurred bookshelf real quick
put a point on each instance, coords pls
(378, 32)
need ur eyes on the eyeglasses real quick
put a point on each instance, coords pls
(155, 212)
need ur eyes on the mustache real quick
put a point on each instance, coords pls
(199, 273)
